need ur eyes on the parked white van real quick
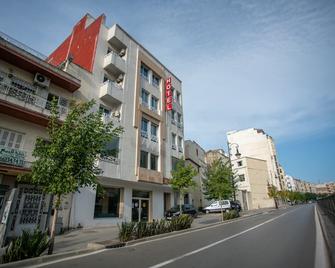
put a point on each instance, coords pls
(215, 206)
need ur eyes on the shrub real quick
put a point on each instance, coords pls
(135, 230)
(181, 222)
(28, 245)
(126, 231)
(231, 215)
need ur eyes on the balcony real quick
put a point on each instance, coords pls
(13, 157)
(13, 94)
(114, 64)
(117, 38)
(110, 118)
(110, 166)
(111, 92)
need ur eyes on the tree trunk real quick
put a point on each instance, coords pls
(276, 204)
(180, 201)
(220, 203)
(53, 226)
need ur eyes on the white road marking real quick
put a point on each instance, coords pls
(149, 241)
(67, 259)
(321, 257)
(216, 243)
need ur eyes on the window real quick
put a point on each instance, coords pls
(10, 139)
(180, 144)
(108, 203)
(173, 91)
(105, 112)
(174, 136)
(241, 177)
(174, 162)
(144, 159)
(154, 130)
(144, 127)
(239, 163)
(111, 148)
(178, 97)
(50, 99)
(154, 103)
(173, 116)
(144, 71)
(153, 162)
(179, 118)
(155, 80)
(145, 97)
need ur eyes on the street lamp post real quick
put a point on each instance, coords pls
(238, 155)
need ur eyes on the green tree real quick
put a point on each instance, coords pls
(218, 185)
(274, 193)
(182, 180)
(67, 160)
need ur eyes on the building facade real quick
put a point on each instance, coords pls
(251, 176)
(255, 143)
(195, 155)
(134, 90)
(27, 86)
(216, 154)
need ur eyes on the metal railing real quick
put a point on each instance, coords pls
(115, 54)
(10, 90)
(327, 205)
(13, 157)
(22, 46)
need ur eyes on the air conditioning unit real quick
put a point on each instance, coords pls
(41, 80)
(122, 52)
(116, 114)
(120, 78)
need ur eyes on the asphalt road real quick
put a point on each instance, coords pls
(283, 238)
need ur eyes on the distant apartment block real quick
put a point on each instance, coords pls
(255, 143)
(195, 155)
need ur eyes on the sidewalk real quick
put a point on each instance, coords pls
(78, 239)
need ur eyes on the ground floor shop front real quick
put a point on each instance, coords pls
(119, 200)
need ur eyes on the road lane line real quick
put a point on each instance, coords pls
(217, 242)
(66, 259)
(198, 230)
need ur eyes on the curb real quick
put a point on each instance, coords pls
(109, 244)
(326, 237)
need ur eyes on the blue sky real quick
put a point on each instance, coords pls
(253, 63)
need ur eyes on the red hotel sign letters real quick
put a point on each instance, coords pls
(168, 94)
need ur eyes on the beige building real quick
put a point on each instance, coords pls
(195, 156)
(216, 154)
(27, 86)
(255, 143)
(251, 176)
(325, 188)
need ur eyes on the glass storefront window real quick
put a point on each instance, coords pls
(108, 203)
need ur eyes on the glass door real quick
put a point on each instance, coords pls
(144, 210)
(135, 210)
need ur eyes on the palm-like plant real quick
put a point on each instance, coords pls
(273, 193)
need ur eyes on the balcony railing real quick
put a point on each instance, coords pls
(13, 157)
(11, 90)
(110, 118)
(144, 134)
(112, 159)
(154, 138)
(174, 147)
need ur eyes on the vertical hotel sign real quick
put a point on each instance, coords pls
(168, 94)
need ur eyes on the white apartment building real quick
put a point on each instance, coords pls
(195, 155)
(27, 85)
(290, 183)
(256, 143)
(135, 90)
(251, 176)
